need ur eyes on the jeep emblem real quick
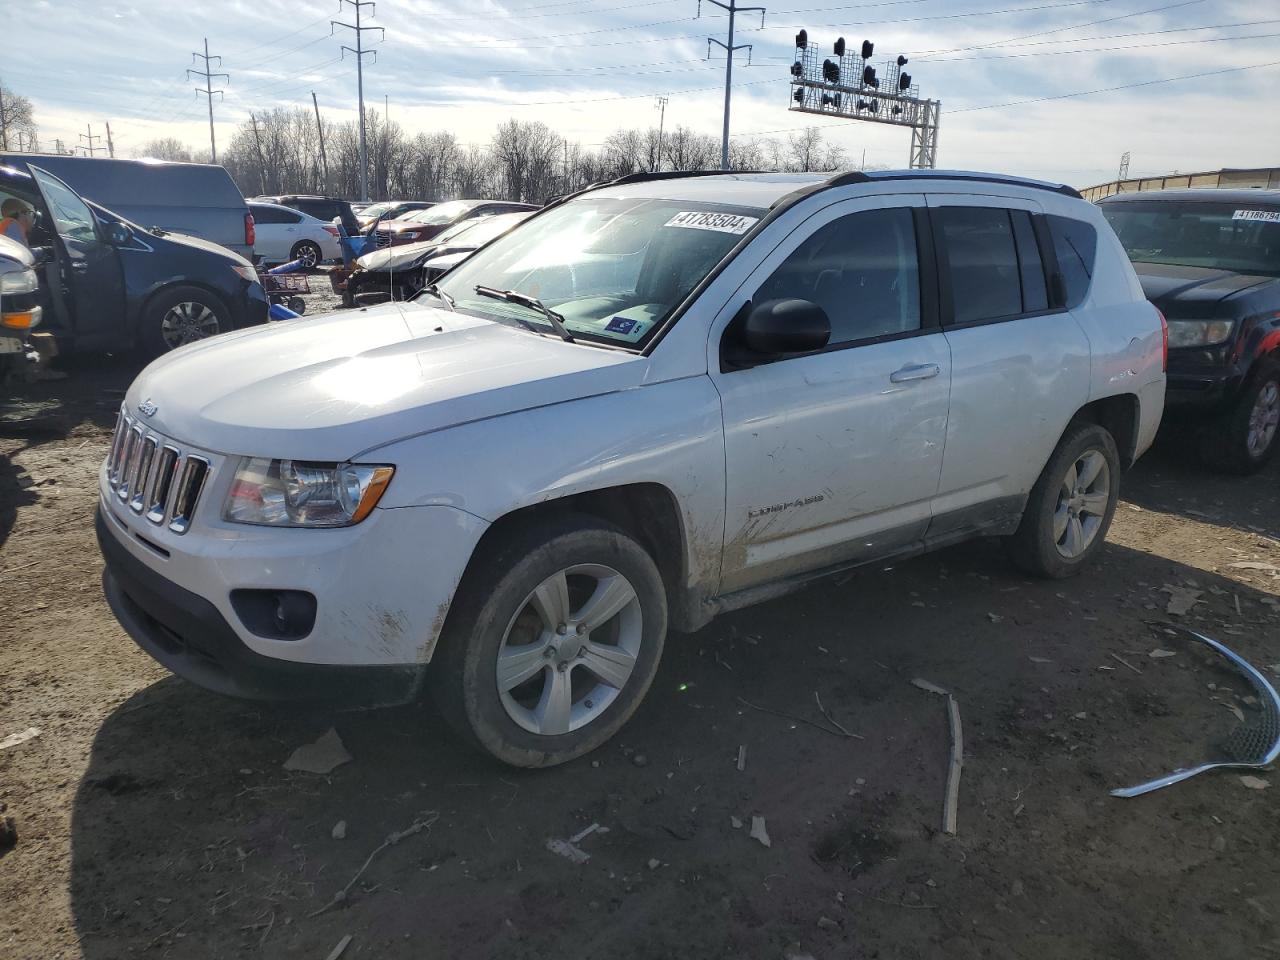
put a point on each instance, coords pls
(147, 408)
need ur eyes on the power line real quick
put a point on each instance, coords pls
(1129, 46)
(208, 90)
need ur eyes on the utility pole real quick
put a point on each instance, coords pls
(662, 116)
(1124, 166)
(21, 149)
(111, 147)
(58, 147)
(208, 90)
(360, 51)
(324, 160)
(90, 149)
(729, 48)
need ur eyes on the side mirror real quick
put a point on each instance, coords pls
(777, 327)
(118, 235)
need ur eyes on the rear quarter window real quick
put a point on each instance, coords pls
(1075, 244)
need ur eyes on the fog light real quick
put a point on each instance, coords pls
(276, 614)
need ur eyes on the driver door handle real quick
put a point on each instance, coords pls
(915, 371)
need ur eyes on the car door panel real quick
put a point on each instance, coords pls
(829, 458)
(1015, 384)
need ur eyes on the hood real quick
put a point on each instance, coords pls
(199, 243)
(396, 258)
(1166, 284)
(13, 250)
(333, 386)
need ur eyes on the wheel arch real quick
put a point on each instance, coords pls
(1120, 415)
(646, 511)
(144, 307)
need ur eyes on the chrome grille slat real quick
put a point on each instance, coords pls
(155, 477)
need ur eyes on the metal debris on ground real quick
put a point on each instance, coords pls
(1181, 599)
(951, 804)
(323, 756)
(742, 757)
(1249, 746)
(1159, 653)
(337, 951)
(1254, 783)
(22, 736)
(567, 850)
(758, 831)
(586, 832)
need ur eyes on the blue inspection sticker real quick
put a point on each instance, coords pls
(622, 325)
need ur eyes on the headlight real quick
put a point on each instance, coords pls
(299, 493)
(248, 273)
(24, 281)
(1199, 333)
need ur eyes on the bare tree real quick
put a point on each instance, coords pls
(165, 148)
(19, 121)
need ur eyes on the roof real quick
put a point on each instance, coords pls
(1213, 194)
(766, 189)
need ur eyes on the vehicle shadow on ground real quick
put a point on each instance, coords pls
(189, 839)
(1161, 481)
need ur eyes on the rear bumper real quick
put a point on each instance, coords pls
(187, 634)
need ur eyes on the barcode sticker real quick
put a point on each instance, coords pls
(721, 222)
(1266, 216)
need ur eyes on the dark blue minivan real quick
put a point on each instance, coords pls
(108, 284)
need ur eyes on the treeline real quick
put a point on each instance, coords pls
(279, 151)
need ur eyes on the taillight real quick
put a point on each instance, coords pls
(332, 231)
(1164, 336)
(250, 234)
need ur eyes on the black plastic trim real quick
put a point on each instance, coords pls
(1061, 188)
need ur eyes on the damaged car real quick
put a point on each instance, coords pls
(653, 402)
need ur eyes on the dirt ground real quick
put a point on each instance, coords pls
(154, 819)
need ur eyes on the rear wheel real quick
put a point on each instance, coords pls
(306, 251)
(1070, 508)
(552, 642)
(1244, 438)
(179, 316)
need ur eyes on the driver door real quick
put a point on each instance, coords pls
(834, 456)
(92, 280)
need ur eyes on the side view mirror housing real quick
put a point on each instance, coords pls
(118, 235)
(778, 327)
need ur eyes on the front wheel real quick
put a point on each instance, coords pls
(1070, 508)
(1244, 438)
(179, 316)
(552, 642)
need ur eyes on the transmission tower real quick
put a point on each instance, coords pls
(89, 137)
(360, 51)
(1124, 166)
(729, 48)
(208, 90)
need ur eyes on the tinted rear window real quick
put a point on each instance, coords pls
(1075, 243)
(985, 280)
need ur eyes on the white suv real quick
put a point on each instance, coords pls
(651, 402)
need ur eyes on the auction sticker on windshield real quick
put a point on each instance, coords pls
(1266, 216)
(720, 222)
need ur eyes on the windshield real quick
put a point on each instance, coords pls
(613, 269)
(376, 210)
(440, 213)
(1237, 236)
(479, 232)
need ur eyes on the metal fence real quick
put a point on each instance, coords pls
(1256, 177)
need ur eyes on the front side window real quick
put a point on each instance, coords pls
(613, 269)
(71, 215)
(1242, 237)
(862, 269)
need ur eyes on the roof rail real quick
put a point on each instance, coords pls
(647, 176)
(978, 177)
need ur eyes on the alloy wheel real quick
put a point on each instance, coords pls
(1264, 419)
(1082, 503)
(188, 322)
(570, 649)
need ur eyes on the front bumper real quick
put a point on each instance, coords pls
(1201, 393)
(253, 306)
(188, 635)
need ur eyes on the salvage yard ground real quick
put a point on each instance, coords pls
(154, 819)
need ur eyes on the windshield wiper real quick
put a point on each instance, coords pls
(533, 303)
(435, 291)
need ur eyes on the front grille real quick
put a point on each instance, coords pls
(381, 238)
(154, 477)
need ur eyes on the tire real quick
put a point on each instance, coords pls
(181, 315)
(1246, 437)
(555, 707)
(308, 252)
(1061, 529)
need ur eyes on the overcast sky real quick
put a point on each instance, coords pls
(587, 67)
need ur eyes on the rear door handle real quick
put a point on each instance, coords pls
(915, 371)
